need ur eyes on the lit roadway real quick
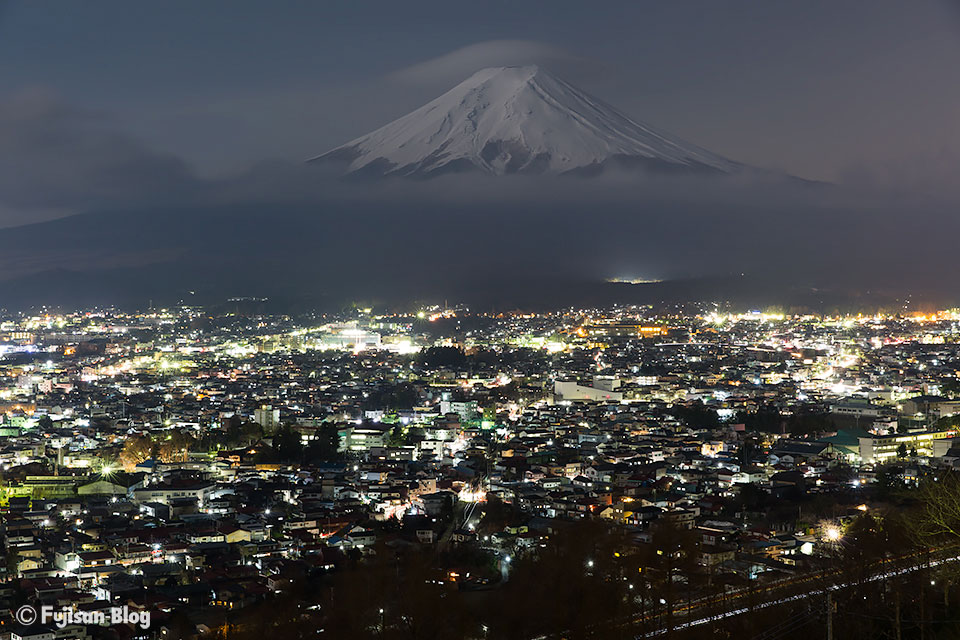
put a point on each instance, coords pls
(769, 596)
(692, 608)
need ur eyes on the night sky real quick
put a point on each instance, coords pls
(120, 105)
(818, 88)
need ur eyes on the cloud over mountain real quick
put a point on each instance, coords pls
(56, 156)
(455, 65)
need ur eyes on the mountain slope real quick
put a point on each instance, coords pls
(511, 120)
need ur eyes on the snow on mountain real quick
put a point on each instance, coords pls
(510, 120)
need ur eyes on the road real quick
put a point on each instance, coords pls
(702, 611)
(816, 581)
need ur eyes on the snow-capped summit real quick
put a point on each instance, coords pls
(507, 120)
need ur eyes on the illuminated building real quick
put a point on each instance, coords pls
(267, 417)
(564, 390)
(624, 330)
(927, 443)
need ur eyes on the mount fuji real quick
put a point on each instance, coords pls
(518, 120)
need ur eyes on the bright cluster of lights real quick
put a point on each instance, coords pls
(467, 494)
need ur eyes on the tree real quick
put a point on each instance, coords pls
(393, 397)
(325, 446)
(580, 580)
(175, 447)
(442, 358)
(396, 436)
(287, 444)
(696, 416)
(399, 595)
(136, 449)
(939, 518)
(673, 551)
(241, 434)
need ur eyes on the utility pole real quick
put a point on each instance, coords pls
(923, 616)
(669, 603)
(829, 616)
(896, 613)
